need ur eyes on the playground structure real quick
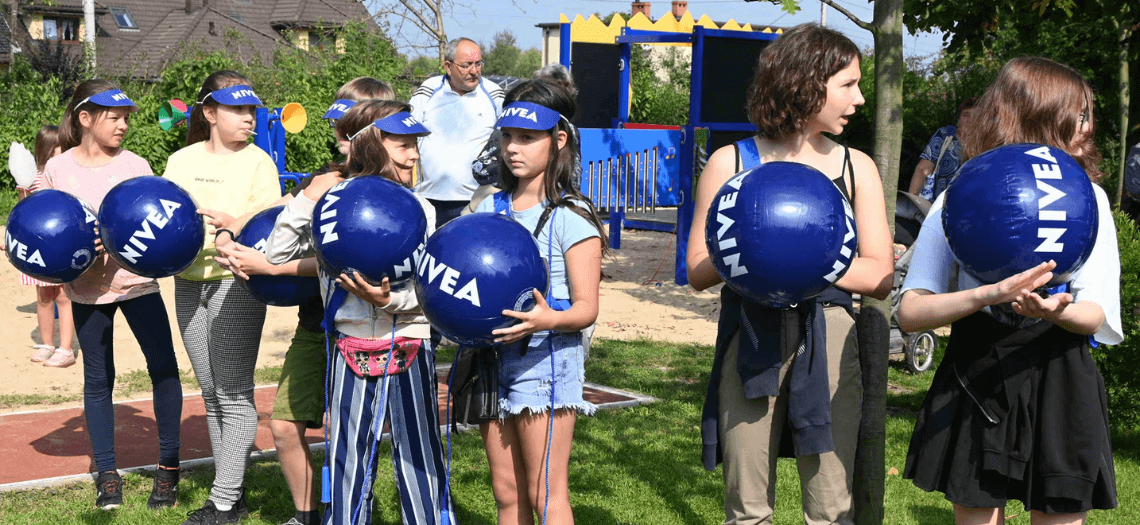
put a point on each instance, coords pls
(629, 167)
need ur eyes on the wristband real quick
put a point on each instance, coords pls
(220, 231)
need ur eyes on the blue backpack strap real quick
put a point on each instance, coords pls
(749, 155)
(335, 300)
(502, 204)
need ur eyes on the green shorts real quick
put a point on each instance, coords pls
(301, 392)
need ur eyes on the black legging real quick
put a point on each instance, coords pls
(146, 316)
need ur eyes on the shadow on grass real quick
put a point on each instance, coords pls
(931, 514)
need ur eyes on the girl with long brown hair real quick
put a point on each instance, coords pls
(1017, 408)
(374, 321)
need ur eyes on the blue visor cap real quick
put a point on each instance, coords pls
(240, 95)
(339, 108)
(402, 123)
(527, 115)
(112, 98)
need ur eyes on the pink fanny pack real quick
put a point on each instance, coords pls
(369, 358)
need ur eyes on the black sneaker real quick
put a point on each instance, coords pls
(210, 515)
(165, 491)
(109, 487)
(240, 506)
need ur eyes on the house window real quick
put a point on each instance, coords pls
(320, 40)
(236, 17)
(123, 18)
(66, 29)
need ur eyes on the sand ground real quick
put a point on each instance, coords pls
(638, 300)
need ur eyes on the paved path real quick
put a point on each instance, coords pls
(51, 447)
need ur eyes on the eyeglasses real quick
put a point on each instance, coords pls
(1084, 118)
(470, 66)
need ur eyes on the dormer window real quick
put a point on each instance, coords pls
(64, 29)
(123, 18)
(236, 17)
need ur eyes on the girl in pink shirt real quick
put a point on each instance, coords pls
(92, 162)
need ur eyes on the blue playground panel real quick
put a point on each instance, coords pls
(636, 170)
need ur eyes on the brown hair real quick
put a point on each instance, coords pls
(70, 131)
(366, 153)
(46, 142)
(365, 88)
(968, 103)
(558, 182)
(1035, 100)
(197, 127)
(790, 82)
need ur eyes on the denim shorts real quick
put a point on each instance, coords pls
(525, 380)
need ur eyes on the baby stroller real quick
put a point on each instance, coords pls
(917, 348)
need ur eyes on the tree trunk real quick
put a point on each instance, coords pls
(874, 325)
(1125, 102)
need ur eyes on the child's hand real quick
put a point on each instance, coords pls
(356, 285)
(1020, 285)
(216, 219)
(1033, 305)
(242, 260)
(537, 319)
(98, 240)
(321, 184)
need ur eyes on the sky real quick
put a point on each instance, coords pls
(521, 16)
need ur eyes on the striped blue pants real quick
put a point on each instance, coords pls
(417, 454)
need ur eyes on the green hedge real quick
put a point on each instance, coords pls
(1118, 363)
(309, 78)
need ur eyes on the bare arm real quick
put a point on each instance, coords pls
(924, 310)
(584, 273)
(871, 272)
(921, 172)
(721, 167)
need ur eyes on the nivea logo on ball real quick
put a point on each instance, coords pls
(780, 233)
(472, 269)
(51, 236)
(1043, 172)
(448, 279)
(150, 226)
(135, 249)
(1017, 206)
(369, 225)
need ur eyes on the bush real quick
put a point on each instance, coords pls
(309, 78)
(1117, 363)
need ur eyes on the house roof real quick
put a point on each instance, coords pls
(314, 13)
(165, 28)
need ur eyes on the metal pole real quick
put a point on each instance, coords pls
(89, 30)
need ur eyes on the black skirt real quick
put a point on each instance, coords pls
(1015, 414)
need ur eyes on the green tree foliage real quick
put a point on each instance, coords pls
(504, 57)
(1118, 363)
(308, 78)
(660, 81)
(1088, 39)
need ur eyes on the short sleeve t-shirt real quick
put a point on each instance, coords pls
(564, 229)
(945, 169)
(106, 281)
(237, 184)
(1098, 280)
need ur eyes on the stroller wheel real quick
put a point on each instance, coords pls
(919, 351)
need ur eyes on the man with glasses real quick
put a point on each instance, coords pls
(460, 108)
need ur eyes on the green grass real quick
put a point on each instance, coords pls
(637, 465)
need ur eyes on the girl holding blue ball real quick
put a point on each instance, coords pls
(1017, 409)
(766, 374)
(542, 359)
(383, 366)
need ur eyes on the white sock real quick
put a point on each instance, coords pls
(223, 508)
